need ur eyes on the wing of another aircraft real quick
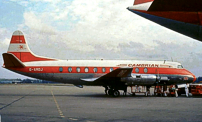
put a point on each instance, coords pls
(118, 73)
(183, 16)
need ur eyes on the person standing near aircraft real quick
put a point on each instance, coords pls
(186, 89)
(176, 89)
(165, 89)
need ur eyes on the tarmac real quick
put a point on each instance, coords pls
(23, 102)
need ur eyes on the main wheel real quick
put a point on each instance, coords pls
(106, 92)
(116, 93)
(110, 92)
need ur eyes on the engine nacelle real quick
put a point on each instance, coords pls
(140, 79)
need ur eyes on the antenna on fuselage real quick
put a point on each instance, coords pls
(164, 61)
(171, 59)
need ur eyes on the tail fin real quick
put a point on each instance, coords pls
(19, 48)
(168, 5)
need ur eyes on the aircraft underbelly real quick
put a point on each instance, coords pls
(192, 30)
(70, 78)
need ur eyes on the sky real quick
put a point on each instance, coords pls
(93, 29)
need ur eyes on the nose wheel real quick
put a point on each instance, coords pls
(110, 92)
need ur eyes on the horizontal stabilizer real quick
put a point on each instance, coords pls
(10, 60)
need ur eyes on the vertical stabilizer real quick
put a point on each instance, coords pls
(18, 47)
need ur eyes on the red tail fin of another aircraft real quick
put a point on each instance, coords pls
(136, 2)
(141, 5)
(19, 48)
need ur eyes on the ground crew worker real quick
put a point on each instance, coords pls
(136, 88)
(139, 88)
(186, 89)
(165, 89)
(176, 89)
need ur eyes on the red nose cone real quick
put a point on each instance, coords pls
(194, 78)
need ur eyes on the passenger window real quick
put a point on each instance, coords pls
(145, 70)
(60, 69)
(111, 69)
(86, 69)
(95, 69)
(70, 69)
(137, 70)
(78, 69)
(103, 69)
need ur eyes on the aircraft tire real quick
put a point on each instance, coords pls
(116, 93)
(110, 92)
(106, 92)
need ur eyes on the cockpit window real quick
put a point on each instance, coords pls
(180, 66)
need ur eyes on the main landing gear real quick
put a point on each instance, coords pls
(114, 92)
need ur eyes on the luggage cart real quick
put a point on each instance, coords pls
(196, 89)
(139, 90)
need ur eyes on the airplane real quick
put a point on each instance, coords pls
(182, 16)
(114, 75)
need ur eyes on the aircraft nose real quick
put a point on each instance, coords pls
(194, 77)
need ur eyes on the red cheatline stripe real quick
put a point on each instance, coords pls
(17, 39)
(55, 69)
(141, 1)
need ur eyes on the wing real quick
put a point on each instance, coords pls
(183, 16)
(114, 75)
